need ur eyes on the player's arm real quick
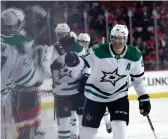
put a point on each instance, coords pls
(26, 72)
(137, 78)
(85, 75)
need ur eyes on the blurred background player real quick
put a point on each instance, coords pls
(17, 67)
(107, 86)
(68, 99)
(26, 113)
(84, 40)
(22, 99)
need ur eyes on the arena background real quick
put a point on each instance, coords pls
(147, 23)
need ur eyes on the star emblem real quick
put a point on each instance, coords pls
(89, 117)
(66, 109)
(64, 72)
(111, 77)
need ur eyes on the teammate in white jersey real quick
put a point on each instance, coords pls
(26, 98)
(107, 86)
(16, 66)
(68, 98)
(84, 40)
(22, 70)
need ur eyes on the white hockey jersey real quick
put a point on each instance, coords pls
(18, 66)
(110, 73)
(67, 79)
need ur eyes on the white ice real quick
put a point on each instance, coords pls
(138, 128)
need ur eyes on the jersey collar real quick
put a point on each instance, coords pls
(115, 55)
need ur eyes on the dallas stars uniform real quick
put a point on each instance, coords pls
(110, 72)
(16, 68)
(67, 98)
(107, 86)
(65, 74)
(16, 65)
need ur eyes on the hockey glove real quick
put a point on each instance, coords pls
(144, 105)
(71, 59)
(68, 43)
(59, 48)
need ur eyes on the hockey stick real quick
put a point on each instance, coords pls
(151, 125)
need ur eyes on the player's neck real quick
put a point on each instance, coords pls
(117, 51)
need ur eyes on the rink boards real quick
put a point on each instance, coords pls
(156, 85)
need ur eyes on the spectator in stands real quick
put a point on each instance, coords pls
(101, 25)
(140, 45)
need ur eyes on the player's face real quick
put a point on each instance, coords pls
(84, 43)
(118, 42)
(9, 29)
(61, 35)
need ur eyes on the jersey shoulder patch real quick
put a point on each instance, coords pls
(102, 50)
(133, 53)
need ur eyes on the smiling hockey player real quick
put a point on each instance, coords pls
(111, 65)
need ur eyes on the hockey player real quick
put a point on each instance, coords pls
(16, 65)
(24, 95)
(67, 96)
(107, 86)
(84, 40)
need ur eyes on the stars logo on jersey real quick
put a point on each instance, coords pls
(111, 77)
(64, 72)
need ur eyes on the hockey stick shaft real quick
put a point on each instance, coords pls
(151, 125)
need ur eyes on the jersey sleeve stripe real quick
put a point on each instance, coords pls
(30, 77)
(136, 76)
(23, 77)
(97, 89)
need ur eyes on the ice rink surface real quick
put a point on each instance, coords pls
(138, 128)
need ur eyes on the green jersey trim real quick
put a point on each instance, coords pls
(23, 77)
(71, 88)
(132, 54)
(103, 51)
(78, 47)
(30, 77)
(90, 88)
(16, 40)
(95, 94)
